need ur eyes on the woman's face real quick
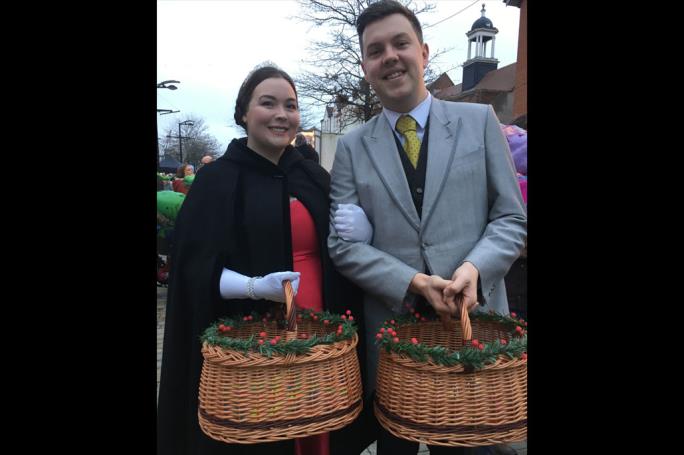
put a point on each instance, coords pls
(272, 116)
(189, 170)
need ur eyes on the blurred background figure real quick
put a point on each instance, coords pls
(206, 159)
(168, 205)
(517, 142)
(302, 145)
(184, 177)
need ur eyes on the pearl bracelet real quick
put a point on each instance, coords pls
(250, 287)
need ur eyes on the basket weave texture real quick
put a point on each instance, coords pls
(248, 398)
(451, 405)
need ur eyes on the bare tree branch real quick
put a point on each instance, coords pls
(337, 79)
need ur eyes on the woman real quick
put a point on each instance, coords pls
(261, 210)
(180, 184)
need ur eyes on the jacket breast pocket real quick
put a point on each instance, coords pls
(465, 192)
(469, 158)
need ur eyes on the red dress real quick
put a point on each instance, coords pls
(307, 261)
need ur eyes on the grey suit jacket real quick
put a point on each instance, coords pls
(472, 210)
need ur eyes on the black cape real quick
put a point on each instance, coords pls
(237, 215)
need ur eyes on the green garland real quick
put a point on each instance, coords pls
(213, 335)
(472, 358)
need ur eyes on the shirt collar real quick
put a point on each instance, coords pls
(420, 113)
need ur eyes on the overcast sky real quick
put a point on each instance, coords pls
(211, 46)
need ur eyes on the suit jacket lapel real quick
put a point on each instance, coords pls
(382, 150)
(442, 143)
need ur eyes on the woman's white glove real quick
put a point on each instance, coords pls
(352, 224)
(236, 286)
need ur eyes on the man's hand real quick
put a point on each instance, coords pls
(463, 287)
(432, 288)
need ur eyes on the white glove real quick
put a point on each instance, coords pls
(236, 286)
(352, 224)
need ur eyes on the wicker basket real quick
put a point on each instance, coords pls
(248, 398)
(451, 405)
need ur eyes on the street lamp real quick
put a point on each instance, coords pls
(165, 111)
(170, 87)
(180, 138)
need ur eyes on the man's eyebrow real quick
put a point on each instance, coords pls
(395, 37)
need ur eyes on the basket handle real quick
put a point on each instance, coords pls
(466, 328)
(290, 310)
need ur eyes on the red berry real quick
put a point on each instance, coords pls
(475, 342)
(228, 328)
(392, 322)
(382, 330)
(277, 337)
(480, 346)
(417, 315)
(344, 317)
(244, 318)
(518, 329)
(414, 340)
(262, 334)
(504, 342)
(348, 312)
(395, 339)
(222, 327)
(261, 342)
(513, 315)
(524, 356)
(379, 336)
(315, 318)
(311, 315)
(351, 318)
(274, 341)
(326, 322)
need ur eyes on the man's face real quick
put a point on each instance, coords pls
(394, 62)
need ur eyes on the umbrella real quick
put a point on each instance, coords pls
(169, 164)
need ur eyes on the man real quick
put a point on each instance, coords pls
(206, 159)
(305, 148)
(439, 188)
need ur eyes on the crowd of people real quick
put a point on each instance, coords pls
(422, 211)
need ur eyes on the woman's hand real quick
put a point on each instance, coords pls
(352, 224)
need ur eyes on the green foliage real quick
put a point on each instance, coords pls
(215, 337)
(472, 358)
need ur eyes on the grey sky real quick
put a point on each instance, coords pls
(210, 46)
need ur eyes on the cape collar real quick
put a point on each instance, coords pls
(238, 152)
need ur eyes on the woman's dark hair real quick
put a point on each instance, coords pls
(255, 78)
(380, 10)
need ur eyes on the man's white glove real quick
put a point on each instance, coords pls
(352, 224)
(236, 286)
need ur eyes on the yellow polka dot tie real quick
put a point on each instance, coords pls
(406, 125)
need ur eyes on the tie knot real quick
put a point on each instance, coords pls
(406, 123)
